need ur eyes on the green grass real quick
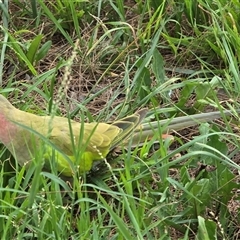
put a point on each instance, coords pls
(102, 60)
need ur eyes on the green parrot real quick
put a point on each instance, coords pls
(23, 133)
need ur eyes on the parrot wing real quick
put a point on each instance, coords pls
(128, 125)
(95, 137)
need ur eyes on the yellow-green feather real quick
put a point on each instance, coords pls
(22, 133)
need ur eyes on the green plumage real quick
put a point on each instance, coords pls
(22, 133)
